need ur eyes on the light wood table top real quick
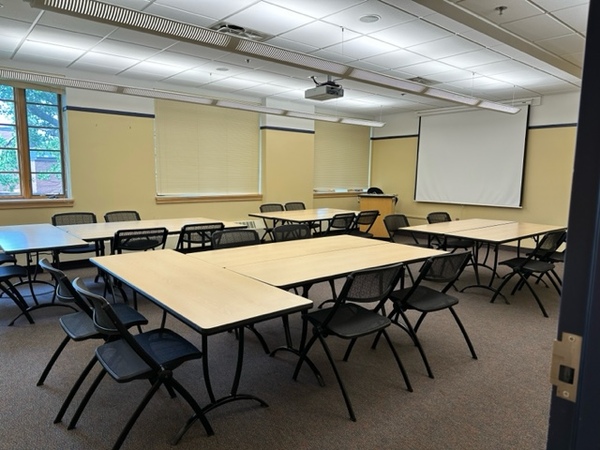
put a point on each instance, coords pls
(302, 215)
(106, 230)
(35, 237)
(507, 232)
(208, 298)
(280, 250)
(300, 270)
(455, 225)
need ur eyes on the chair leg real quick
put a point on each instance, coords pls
(338, 377)
(53, 359)
(349, 349)
(537, 299)
(464, 332)
(74, 390)
(413, 335)
(136, 414)
(303, 355)
(497, 292)
(12, 293)
(400, 365)
(198, 414)
(86, 399)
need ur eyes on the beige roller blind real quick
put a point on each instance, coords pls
(204, 150)
(341, 156)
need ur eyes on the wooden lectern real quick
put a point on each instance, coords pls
(385, 204)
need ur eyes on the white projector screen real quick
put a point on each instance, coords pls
(472, 158)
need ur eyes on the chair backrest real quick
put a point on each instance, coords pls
(548, 245)
(234, 238)
(393, 222)
(73, 218)
(374, 190)
(294, 206)
(271, 207)
(291, 232)
(366, 219)
(139, 239)
(438, 216)
(444, 268)
(342, 222)
(367, 286)
(121, 216)
(107, 322)
(197, 233)
(64, 290)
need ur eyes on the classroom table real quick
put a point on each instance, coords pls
(31, 239)
(208, 298)
(302, 263)
(307, 216)
(106, 230)
(502, 234)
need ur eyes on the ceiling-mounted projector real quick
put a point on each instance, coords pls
(324, 91)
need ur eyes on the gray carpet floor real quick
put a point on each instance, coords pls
(500, 401)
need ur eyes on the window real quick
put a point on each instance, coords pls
(341, 157)
(206, 151)
(31, 150)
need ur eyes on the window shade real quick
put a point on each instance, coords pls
(341, 156)
(203, 150)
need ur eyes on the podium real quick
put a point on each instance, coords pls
(385, 204)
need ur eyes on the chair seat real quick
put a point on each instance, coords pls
(7, 258)
(361, 234)
(167, 348)
(140, 244)
(79, 326)
(528, 266)
(424, 299)
(350, 321)
(7, 272)
(79, 249)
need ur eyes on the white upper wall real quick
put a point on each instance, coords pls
(107, 101)
(553, 110)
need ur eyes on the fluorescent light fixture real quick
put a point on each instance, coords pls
(452, 96)
(250, 107)
(55, 80)
(304, 115)
(167, 95)
(288, 57)
(134, 20)
(362, 122)
(500, 107)
(386, 81)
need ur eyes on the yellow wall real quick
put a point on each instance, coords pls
(112, 167)
(547, 183)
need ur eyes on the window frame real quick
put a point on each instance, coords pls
(24, 150)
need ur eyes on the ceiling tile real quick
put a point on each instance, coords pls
(317, 8)
(538, 27)
(119, 48)
(52, 51)
(476, 58)
(576, 17)
(444, 47)
(515, 9)
(62, 38)
(269, 19)
(113, 63)
(398, 58)
(426, 68)
(145, 39)
(180, 15)
(361, 47)
(350, 18)
(215, 8)
(319, 35)
(291, 45)
(13, 28)
(411, 33)
(564, 44)
(68, 23)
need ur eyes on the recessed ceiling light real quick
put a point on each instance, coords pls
(370, 18)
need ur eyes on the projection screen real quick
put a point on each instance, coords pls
(472, 158)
